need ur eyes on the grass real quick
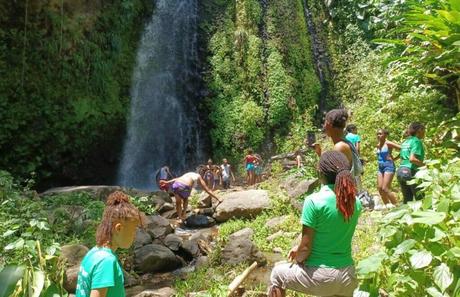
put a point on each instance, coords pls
(213, 279)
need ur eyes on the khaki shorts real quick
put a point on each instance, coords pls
(315, 281)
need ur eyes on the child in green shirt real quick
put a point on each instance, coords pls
(100, 272)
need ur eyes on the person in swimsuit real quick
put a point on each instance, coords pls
(249, 165)
(386, 169)
(182, 187)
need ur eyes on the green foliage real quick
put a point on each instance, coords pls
(66, 70)
(421, 239)
(430, 42)
(258, 83)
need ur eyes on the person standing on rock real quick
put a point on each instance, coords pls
(334, 125)
(100, 272)
(226, 173)
(249, 161)
(182, 187)
(322, 264)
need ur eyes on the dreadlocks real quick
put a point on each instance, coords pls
(118, 208)
(335, 168)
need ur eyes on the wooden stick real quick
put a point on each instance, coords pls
(240, 278)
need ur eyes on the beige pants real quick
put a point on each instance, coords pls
(315, 281)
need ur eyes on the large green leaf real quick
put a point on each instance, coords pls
(421, 259)
(434, 292)
(38, 282)
(404, 246)
(9, 277)
(428, 217)
(443, 278)
(371, 264)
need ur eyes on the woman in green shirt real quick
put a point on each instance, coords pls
(412, 155)
(322, 262)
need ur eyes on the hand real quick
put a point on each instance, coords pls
(293, 253)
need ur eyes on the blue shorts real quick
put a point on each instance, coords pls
(250, 167)
(387, 166)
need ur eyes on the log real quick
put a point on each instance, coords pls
(240, 278)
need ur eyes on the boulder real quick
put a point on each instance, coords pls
(274, 223)
(73, 253)
(240, 249)
(157, 226)
(205, 201)
(153, 258)
(243, 204)
(163, 292)
(130, 280)
(199, 221)
(166, 206)
(70, 279)
(205, 211)
(169, 214)
(191, 248)
(142, 238)
(201, 261)
(303, 186)
(275, 235)
(173, 242)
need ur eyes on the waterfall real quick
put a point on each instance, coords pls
(164, 127)
(320, 59)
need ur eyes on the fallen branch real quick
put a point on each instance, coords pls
(240, 278)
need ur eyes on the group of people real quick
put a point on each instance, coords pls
(214, 174)
(322, 263)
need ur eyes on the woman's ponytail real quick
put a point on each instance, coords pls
(335, 168)
(345, 192)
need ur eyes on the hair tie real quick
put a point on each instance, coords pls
(343, 169)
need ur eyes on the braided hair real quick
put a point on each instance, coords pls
(335, 168)
(118, 209)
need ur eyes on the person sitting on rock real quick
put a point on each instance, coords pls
(100, 271)
(182, 187)
(322, 262)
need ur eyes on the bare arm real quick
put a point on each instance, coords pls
(317, 148)
(413, 159)
(393, 145)
(358, 147)
(344, 148)
(298, 158)
(102, 292)
(301, 252)
(206, 189)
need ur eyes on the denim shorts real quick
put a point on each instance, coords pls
(387, 166)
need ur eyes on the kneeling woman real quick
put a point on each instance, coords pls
(182, 187)
(322, 262)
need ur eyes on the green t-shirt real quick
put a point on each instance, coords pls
(100, 269)
(353, 138)
(331, 245)
(412, 145)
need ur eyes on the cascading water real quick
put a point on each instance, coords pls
(163, 127)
